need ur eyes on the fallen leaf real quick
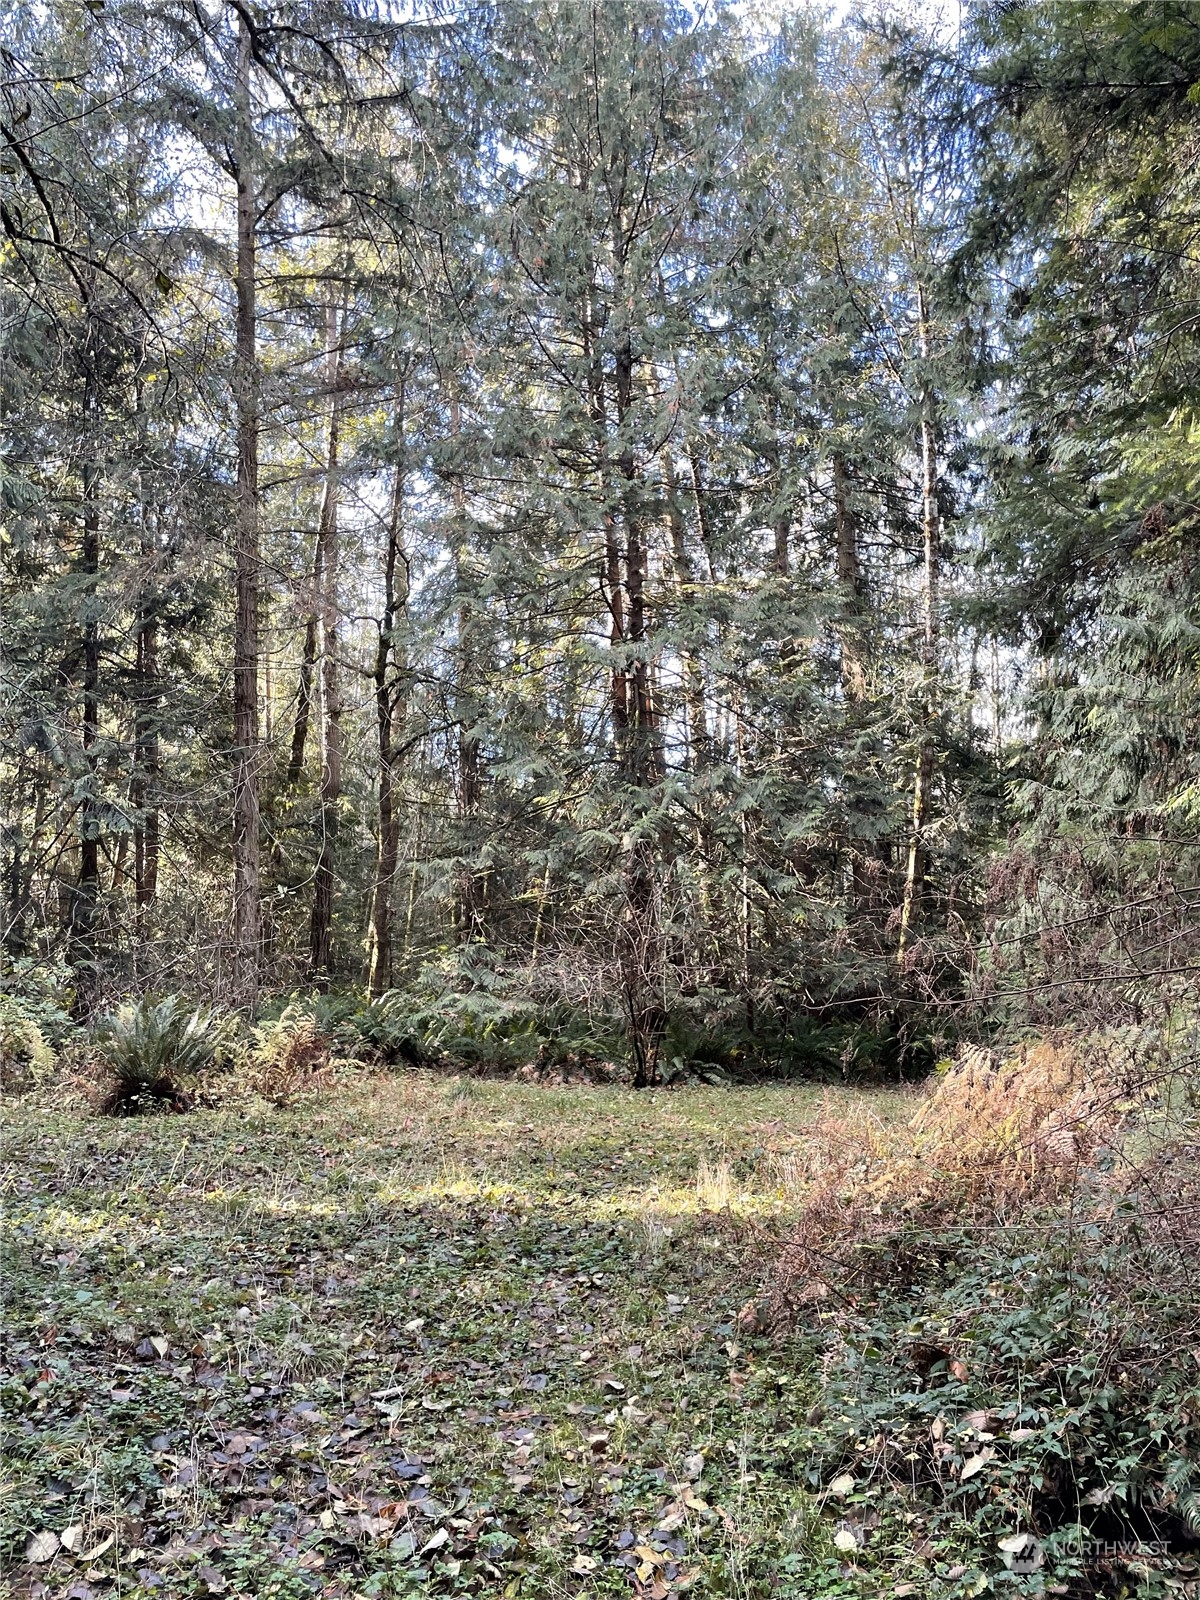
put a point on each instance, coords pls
(584, 1565)
(436, 1541)
(648, 1561)
(1014, 1542)
(72, 1538)
(1099, 1497)
(842, 1484)
(693, 1465)
(844, 1540)
(976, 1463)
(42, 1547)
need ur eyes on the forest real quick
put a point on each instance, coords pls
(557, 548)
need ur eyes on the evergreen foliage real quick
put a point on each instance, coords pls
(603, 503)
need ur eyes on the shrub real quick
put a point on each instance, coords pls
(155, 1053)
(992, 1136)
(34, 1023)
(1012, 1386)
(1002, 1286)
(472, 1009)
(377, 1031)
(25, 1052)
(288, 1057)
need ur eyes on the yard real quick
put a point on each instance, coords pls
(429, 1336)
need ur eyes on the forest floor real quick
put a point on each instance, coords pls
(426, 1337)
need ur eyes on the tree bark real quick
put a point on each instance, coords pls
(146, 832)
(304, 683)
(247, 915)
(917, 863)
(85, 902)
(700, 498)
(640, 943)
(321, 926)
(471, 883)
(389, 714)
(642, 755)
(781, 527)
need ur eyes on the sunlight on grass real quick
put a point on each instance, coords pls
(529, 1297)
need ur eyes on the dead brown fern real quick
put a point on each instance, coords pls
(289, 1058)
(994, 1136)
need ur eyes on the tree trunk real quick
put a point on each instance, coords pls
(304, 685)
(642, 755)
(471, 884)
(854, 677)
(781, 525)
(247, 918)
(641, 938)
(85, 902)
(915, 871)
(321, 927)
(850, 640)
(146, 833)
(389, 712)
(693, 678)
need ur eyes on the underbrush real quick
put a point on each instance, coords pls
(154, 1054)
(1002, 1296)
(470, 1011)
(35, 1024)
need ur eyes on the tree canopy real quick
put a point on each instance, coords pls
(601, 515)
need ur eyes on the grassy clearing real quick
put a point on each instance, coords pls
(429, 1338)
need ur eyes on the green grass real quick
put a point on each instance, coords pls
(426, 1337)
